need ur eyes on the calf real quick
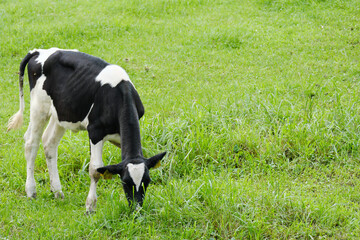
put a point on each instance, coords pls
(77, 91)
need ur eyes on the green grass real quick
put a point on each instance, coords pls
(256, 102)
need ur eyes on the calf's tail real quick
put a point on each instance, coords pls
(16, 120)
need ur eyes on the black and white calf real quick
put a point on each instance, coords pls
(77, 91)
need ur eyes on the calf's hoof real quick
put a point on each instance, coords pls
(89, 212)
(30, 190)
(90, 205)
(59, 195)
(31, 195)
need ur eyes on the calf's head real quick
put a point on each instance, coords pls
(134, 174)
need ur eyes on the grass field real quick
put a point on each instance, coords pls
(256, 102)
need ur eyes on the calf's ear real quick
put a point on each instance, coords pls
(110, 170)
(155, 160)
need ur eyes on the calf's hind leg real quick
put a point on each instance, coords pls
(51, 140)
(32, 140)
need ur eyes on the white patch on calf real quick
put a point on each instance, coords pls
(44, 54)
(113, 138)
(40, 104)
(136, 172)
(75, 127)
(40, 100)
(112, 75)
(95, 163)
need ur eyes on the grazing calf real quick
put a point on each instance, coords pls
(77, 91)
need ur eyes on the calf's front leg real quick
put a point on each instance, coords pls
(95, 163)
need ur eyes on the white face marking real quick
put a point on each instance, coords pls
(112, 75)
(136, 173)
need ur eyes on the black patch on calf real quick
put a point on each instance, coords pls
(103, 118)
(34, 71)
(70, 82)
